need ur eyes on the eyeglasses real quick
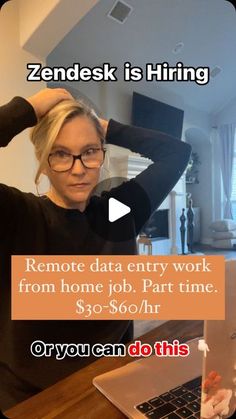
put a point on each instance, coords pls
(61, 161)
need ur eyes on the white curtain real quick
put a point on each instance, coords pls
(227, 134)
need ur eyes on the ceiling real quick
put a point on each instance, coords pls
(206, 27)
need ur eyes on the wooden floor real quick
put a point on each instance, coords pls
(143, 326)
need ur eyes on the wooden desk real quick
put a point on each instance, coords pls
(76, 398)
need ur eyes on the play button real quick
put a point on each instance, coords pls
(117, 207)
(116, 210)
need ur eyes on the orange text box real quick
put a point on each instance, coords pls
(118, 287)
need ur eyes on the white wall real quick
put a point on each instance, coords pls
(31, 16)
(17, 161)
(44, 23)
(227, 115)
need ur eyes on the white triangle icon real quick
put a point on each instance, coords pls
(116, 210)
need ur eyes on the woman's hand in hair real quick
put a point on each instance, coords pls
(46, 99)
(104, 125)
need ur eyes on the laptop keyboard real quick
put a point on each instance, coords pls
(180, 403)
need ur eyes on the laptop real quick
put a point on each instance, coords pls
(192, 387)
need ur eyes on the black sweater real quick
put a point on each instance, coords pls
(35, 225)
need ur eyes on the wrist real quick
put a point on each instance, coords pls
(34, 105)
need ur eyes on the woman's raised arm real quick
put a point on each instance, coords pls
(22, 113)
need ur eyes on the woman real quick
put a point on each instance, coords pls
(69, 143)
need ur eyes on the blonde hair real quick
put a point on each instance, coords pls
(44, 134)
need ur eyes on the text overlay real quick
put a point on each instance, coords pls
(118, 287)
